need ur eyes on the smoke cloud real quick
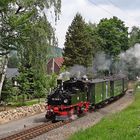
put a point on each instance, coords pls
(77, 71)
(128, 63)
(132, 53)
(102, 61)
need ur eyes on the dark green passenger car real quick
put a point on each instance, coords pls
(101, 90)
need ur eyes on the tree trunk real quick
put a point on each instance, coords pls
(3, 67)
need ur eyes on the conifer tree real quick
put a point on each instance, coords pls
(78, 47)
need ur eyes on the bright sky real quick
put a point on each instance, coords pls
(94, 10)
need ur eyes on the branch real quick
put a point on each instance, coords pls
(19, 8)
(4, 53)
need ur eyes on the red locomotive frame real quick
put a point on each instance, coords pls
(63, 112)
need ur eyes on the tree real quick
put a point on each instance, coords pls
(78, 47)
(39, 36)
(24, 27)
(134, 36)
(96, 40)
(114, 35)
(7, 91)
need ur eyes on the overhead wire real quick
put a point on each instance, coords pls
(116, 5)
(106, 9)
(113, 3)
(100, 7)
(126, 13)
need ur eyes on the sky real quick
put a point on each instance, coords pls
(93, 11)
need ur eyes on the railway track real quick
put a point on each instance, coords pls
(35, 131)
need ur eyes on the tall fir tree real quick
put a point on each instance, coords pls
(78, 46)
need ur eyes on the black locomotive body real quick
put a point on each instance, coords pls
(74, 97)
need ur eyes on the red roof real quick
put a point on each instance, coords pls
(59, 61)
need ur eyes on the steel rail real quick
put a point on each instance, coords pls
(35, 131)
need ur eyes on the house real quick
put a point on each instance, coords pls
(55, 60)
(54, 65)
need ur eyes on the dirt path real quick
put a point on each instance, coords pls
(90, 119)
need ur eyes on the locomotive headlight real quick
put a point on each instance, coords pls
(66, 101)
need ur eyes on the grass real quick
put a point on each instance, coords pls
(26, 103)
(19, 104)
(124, 125)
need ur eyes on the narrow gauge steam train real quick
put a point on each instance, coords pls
(76, 96)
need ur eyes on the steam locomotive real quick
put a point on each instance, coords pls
(77, 96)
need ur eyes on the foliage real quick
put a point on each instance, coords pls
(35, 85)
(63, 69)
(51, 82)
(114, 35)
(24, 79)
(7, 91)
(43, 86)
(96, 40)
(134, 36)
(40, 85)
(78, 47)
